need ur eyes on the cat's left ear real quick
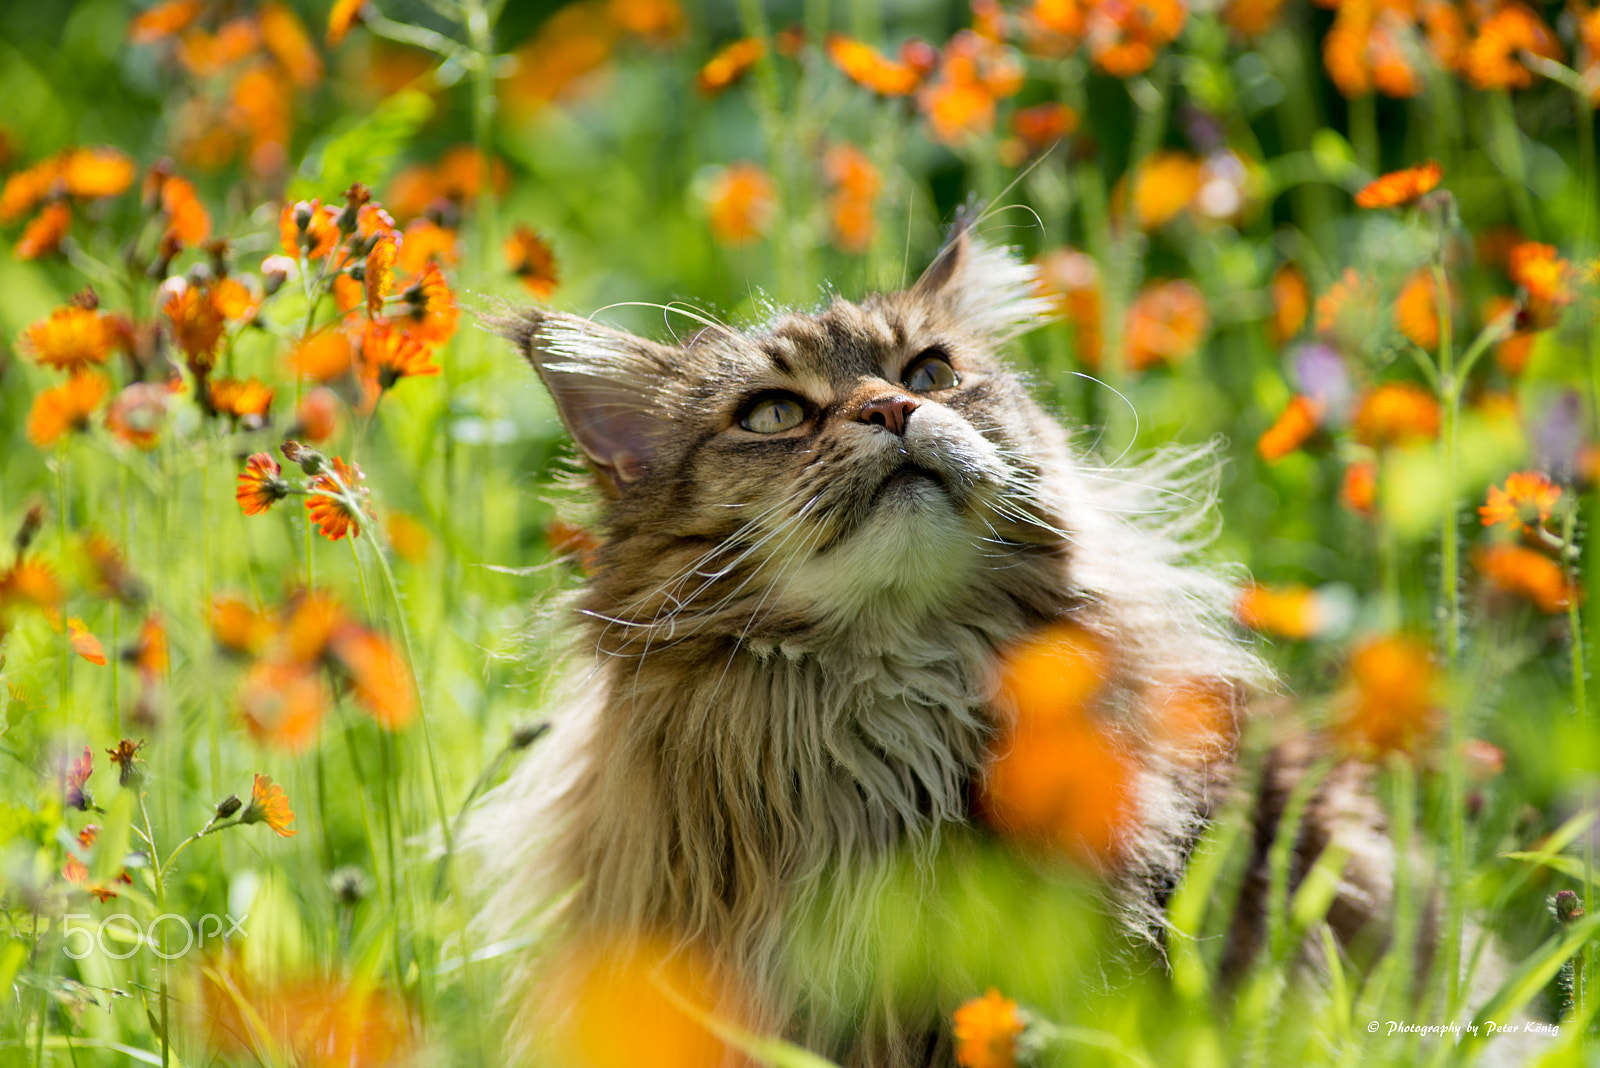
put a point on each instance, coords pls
(989, 290)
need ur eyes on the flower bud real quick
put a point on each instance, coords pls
(228, 806)
(276, 270)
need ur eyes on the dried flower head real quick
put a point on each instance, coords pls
(126, 757)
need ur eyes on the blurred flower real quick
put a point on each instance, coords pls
(333, 502)
(380, 273)
(1398, 188)
(1359, 489)
(109, 574)
(188, 222)
(149, 653)
(197, 325)
(531, 260)
(408, 537)
(310, 619)
(30, 583)
(573, 43)
(286, 39)
(269, 805)
(1390, 705)
(282, 703)
(239, 628)
(1526, 503)
(1042, 125)
(72, 338)
(1397, 413)
(317, 418)
(1493, 58)
(1291, 300)
(1527, 573)
(1056, 775)
(74, 779)
(742, 202)
(66, 408)
(1348, 312)
(377, 673)
(247, 401)
(426, 241)
(1125, 35)
(1224, 186)
(1417, 311)
(654, 20)
(1251, 18)
(1166, 323)
(43, 234)
(166, 19)
(1295, 425)
(974, 73)
(729, 65)
(389, 354)
(77, 872)
(137, 414)
(260, 484)
(341, 18)
(1545, 277)
(567, 539)
(1163, 185)
(1291, 611)
(869, 68)
(1071, 280)
(986, 1031)
(855, 182)
(323, 357)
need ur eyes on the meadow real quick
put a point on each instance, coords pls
(285, 531)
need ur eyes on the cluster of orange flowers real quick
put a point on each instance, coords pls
(52, 186)
(247, 67)
(854, 183)
(282, 696)
(1164, 324)
(1525, 507)
(334, 492)
(571, 48)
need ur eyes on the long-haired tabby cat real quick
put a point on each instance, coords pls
(818, 538)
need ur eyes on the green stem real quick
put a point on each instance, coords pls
(1364, 130)
(1508, 145)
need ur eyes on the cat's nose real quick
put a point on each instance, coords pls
(891, 412)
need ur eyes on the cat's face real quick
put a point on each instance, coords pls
(874, 457)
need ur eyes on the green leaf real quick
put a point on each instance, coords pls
(1526, 982)
(362, 151)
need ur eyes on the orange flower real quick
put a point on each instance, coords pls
(986, 1031)
(96, 172)
(1043, 125)
(389, 354)
(310, 620)
(1348, 312)
(43, 234)
(84, 643)
(1163, 185)
(431, 307)
(1291, 300)
(1528, 574)
(1071, 279)
(408, 537)
(1396, 413)
(239, 628)
(76, 872)
(973, 74)
(1398, 188)
(1290, 611)
(334, 501)
(426, 241)
(285, 37)
(741, 202)
(246, 401)
(380, 273)
(72, 338)
(269, 805)
(1359, 490)
(1493, 58)
(197, 325)
(234, 300)
(74, 780)
(187, 220)
(260, 484)
(1295, 426)
(869, 68)
(66, 407)
(341, 17)
(317, 418)
(1165, 323)
(149, 652)
(1124, 37)
(1057, 776)
(1390, 705)
(137, 414)
(1525, 504)
(109, 574)
(1251, 18)
(855, 183)
(166, 19)
(308, 227)
(126, 758)
(377, 673)
(1544, 276)
(1416, 311)
(729, 65)
(31, 583)
(322, 357)
(531, 260)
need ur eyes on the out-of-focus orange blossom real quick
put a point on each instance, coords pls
(1390, 703)
(530, 258)
(741, 202)
(62, 409)
(1057, 777)
(1295, 425)
(1163, 187)
(1493, 59)
(1528, 574)
(871, 69)
(855, 182)
(1399, 188)
(1292, 611)
(72, 338)
(1291, 302)
(1166, 323)
(1358, 490)
(1396, 413)
(1417, 310)
(1071, 281)
(986, 1031)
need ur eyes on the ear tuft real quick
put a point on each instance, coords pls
(990, 290)
(605, 383)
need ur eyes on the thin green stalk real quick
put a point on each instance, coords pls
(1364, 130)
(1507, 139)
(61, 533)
(1569, 528)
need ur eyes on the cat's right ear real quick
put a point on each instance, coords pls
(604, 382)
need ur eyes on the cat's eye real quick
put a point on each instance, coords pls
(773, 414)
(930, 372)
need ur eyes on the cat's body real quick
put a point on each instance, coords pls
(809, 570)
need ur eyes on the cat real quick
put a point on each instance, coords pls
(819, 538)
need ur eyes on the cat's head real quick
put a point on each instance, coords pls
(870, 461)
